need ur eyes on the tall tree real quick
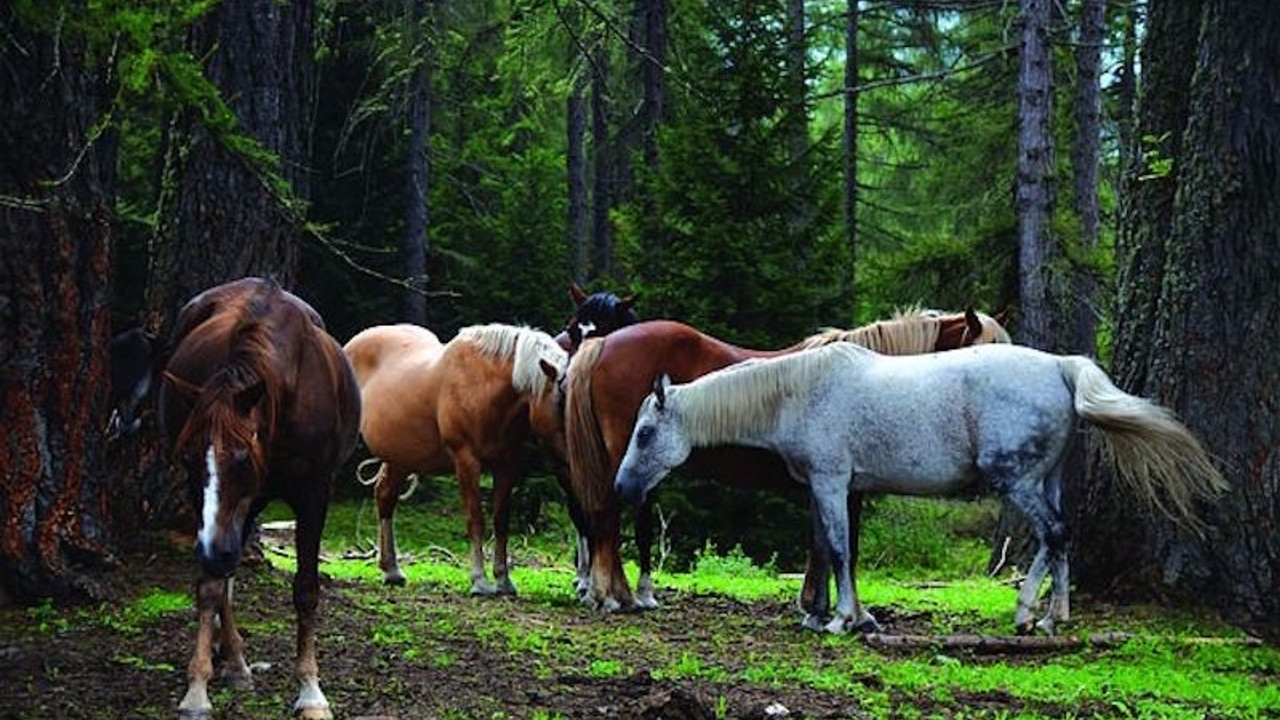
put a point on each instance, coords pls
(1034, 191)
(1197, 305)
(413, 246)
(235, 182)
(602, 165)
(1085, 159)
(850, 136)
(56, 178)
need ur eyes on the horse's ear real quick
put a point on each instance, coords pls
(551, 371)
(578, 295)
(973, 323)
(1001, 316)
(185, 390)
(660, 385)
(627, 302)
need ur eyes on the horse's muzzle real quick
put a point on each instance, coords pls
(220, 560)
(629, 490)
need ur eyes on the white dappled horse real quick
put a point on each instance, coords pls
(993, 418)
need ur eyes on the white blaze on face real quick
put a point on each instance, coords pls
(586, 328)
(209, 513)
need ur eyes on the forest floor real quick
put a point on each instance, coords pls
(428, 650)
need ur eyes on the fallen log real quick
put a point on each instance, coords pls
(1028, 644)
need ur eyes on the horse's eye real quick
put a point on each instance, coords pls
(645, 436)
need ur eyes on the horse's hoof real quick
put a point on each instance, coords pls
(238, 680)
(816, 623)
(609, 605)
(647, 602)
(838, 625)
(314, 713)
(1025, 628)
(1048, 625)
(868, 625)
(194, 713)
(483, 588)
(395, 579)
(506, 589)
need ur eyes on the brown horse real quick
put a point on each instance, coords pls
(595, 315)
(463, 407)
(609, 377)
(258, 403)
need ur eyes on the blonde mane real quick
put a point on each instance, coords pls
(743, 400)
(523, 347)
(911, 331)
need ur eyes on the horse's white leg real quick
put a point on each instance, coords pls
(503, 482)
(645, 599)
(311, 703)
(234, 667)
(387, 493)
(1059, 601)
(210, 593)
(467, 467)
(582, 580)
(830, 498)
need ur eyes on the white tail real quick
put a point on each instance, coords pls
(1155, 455)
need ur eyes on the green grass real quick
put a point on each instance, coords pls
(1156, 675)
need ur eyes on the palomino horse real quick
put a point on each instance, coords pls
(609, 378)
(595, 315)
(258, 403)
(463, 407)
(995, 418)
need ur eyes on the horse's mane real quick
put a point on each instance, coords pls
(909, 332)
(744, 399)
(588, 456)
(524, 347)
(250, 361)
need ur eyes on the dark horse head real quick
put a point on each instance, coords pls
(595, 315)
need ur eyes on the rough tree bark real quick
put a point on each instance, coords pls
(56, 178)
(1198, 308)
(220, 216)
(601, 165)
(652, 16)
(1035, 193)
(576, 170)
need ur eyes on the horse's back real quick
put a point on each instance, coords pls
(391, 348)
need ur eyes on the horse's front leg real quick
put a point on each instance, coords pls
(235, 669)
(210, 594)
(504, 480)
(387, 493)
(830, 501)
(311, 703)
(815, 593)
(645, 599)
(582, 558)
(467, 468)
(863, 619)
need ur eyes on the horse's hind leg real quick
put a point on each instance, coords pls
(582, 580)
(311, 703)
(504, 481)
(1050, 532)
(387, 493)
(210, 595)
(645, 599)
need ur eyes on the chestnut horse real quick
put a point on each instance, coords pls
(608, 378)
(257, 402)
(463, 407)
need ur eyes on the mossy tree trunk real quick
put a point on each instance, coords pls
(1198, 317)
(56, 175)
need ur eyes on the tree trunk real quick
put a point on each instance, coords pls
(602, 167)
(1201, 307)
(576, 169)
(1085, 157)
(413, 247)
(1035, 194)
(225, 212)
(221, 214)
(56, 181)
(848, 278)
(653, 14)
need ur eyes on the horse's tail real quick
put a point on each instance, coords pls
(1155, 455)
(588, 456)
(381, 474)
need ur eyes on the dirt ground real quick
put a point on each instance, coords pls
(93, 670)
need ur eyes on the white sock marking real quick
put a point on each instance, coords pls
(209, 513)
